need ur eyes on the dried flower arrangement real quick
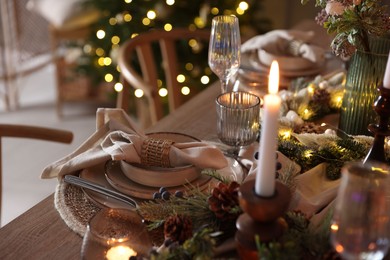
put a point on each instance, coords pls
(352, 22)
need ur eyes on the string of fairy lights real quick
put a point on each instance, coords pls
(108, 58)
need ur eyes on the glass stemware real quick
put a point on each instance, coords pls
(237, 119)
(115, 234)
(360, 225)
(224, 55)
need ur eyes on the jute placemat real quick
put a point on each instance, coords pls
(74, 207)
(76, 210)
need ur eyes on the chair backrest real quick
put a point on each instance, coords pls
(31, 132)
(143, 46)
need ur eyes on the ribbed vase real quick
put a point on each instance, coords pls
(364, 76)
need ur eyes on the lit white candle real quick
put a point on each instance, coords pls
(265, 177)
(386, 79)
(120, 253)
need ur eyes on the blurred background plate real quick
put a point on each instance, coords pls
(250, 61)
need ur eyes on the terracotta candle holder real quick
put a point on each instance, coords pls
(262, 216)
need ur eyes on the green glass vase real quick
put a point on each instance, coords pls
(364, 76)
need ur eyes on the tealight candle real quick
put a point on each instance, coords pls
(265, 176)
(120, 253)
(386, 79)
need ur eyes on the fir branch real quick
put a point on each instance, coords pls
(317, 242)
(215, 175)
(333, 151)
(292, 243)
(200, 246)
(194, 206)
(287, 176)
(300, 241)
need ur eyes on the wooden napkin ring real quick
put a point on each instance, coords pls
(155, 152)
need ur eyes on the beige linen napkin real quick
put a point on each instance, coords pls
(118, 138)
(278, 42)
(314, 191)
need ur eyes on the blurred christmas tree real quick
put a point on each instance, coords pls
(123, 19)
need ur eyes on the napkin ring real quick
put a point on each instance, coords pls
(155, 152)
(294, 46)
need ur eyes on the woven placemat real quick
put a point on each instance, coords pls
(74, 207)
(76, 210)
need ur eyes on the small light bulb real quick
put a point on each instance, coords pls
(100, 34)
(204, 80)
(118, 87)
(138, 93)
(163, 92)
(185, 90)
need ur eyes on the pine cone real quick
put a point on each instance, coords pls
(223, 199)
(178, 228)
(310, 128)
(321, 96)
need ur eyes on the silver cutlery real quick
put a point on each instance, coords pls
(100, 189)
(239, 161)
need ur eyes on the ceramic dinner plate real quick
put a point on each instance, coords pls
(117, 179)
(121, 183)
(251, 62)
(96, 175)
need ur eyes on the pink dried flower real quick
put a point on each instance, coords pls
(321, 17)
(334, 8)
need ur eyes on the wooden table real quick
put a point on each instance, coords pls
(40, 233)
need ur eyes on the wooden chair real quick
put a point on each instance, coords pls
(31, 132)
(141, 47)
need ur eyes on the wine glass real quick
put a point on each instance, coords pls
(237, 120)
(115, 234)
(224, 48)
(360, 224)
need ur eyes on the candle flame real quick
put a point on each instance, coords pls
(273, 81)
(120, 252)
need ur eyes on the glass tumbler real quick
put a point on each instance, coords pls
(237, 119)
(115, 234)
(360, 224)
